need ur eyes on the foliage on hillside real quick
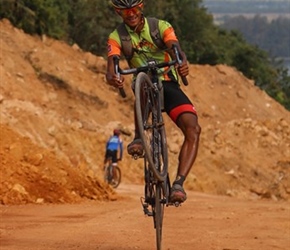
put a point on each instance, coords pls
(88, 24)
(260, 31)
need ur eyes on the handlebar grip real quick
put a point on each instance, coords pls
(184, 80)
(116, 69)
(122, 92)
(179, 61)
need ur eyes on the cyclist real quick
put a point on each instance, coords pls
(113, 145)
(176, 103)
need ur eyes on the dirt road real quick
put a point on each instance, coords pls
(204, 222)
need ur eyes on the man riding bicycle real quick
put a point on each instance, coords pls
(113, 146)
(176, 103)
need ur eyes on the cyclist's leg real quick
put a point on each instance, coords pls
(114, 162)
(109, 159)
(183, 113)
(188, 123)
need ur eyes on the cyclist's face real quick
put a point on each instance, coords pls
(132, 16)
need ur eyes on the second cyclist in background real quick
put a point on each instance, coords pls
(114, 148)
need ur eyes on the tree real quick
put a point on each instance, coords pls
(37, 16)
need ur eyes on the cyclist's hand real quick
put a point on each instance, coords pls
(118, 81)
(183, 69)
(114, 80)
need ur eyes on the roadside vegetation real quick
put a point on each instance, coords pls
(88, 23)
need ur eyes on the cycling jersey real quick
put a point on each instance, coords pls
(175, 100)
(115, 143)
(145, 48)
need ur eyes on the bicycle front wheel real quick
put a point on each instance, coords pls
(151, 125)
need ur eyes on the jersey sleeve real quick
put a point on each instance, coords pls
(114, 44)
(167, 32)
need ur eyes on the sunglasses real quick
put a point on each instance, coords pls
(132, 11)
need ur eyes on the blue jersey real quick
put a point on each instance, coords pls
(115, 143)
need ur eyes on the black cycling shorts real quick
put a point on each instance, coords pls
(112, 154)
(175, 100)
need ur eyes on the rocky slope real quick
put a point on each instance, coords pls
(57, 112)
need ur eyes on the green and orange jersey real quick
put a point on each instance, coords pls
(145, 47)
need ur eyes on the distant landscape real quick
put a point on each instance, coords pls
(226, 13)
(248, 6)
(271, 9)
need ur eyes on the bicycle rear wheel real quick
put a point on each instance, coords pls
(106, 174)
(151, 125)
(154, 196)
(159, 212)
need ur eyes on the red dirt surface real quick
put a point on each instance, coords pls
(56, 115)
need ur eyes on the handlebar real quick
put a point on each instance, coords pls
(119, 71)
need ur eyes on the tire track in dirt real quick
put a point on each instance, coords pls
(204, 222)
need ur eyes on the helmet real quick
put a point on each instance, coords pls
(117, 132)
(125, 4)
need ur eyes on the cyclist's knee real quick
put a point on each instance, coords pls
(192, 132)
(188, 123)
(191, 129)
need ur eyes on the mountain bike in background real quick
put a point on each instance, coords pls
(149, 103)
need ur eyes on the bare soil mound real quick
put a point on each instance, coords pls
(30, 173)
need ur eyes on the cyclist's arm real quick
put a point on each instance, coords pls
(170, 38)
(114, 49)
(182, 69)
(111, 77)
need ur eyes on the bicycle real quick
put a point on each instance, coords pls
(149, 106)
(112, 174)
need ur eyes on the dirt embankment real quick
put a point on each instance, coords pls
(57, 113)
